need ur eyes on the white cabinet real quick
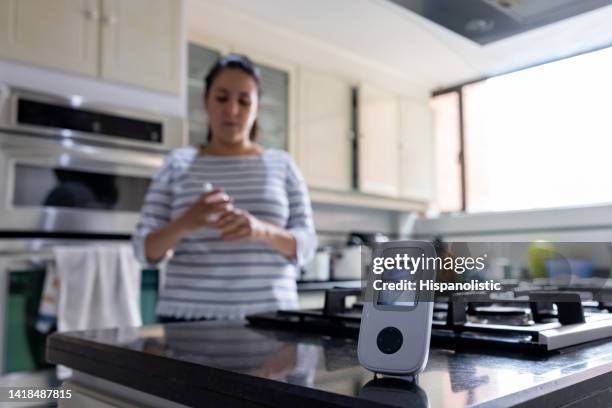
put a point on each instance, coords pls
(139, 42)
(324, 145)
(416, 179)
(379, 122)
(142, 43)
(57, 33)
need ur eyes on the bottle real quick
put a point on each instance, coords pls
(538, 252)
(215, 198)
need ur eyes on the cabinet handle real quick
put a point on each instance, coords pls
(92, 15)
(109, 20)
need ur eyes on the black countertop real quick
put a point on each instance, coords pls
(304, 286)
(225, 362)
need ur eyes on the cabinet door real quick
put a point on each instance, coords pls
(273, 116)
(325, 129)
(55, 33)
(200, 60)
(416, 150)
(142, 43)
(378, 141)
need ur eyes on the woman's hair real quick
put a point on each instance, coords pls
(233, 61)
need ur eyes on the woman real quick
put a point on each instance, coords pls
(235, 250)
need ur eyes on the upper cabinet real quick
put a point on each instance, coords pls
(138, 42)
(416, 151)
(142, 43)
(395, 145)
(273, 116)
(379, 130)
(200, 60)
(324, 143)
(60, 34)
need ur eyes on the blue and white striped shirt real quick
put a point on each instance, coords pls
(209, 277)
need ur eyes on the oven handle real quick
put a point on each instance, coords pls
(83, 163)
(21, 255)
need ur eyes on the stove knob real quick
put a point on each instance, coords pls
(389, 340)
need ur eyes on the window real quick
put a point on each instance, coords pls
(536, 138)
(273, 118)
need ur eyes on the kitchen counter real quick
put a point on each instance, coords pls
(304, 286)
(227, 363)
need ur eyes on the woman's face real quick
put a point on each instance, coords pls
(232, 104)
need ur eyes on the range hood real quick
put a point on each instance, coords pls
(486, 21)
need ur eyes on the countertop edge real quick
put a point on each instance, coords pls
(178, 384)
(566, 390)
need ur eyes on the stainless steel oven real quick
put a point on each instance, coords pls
(50, 186)
(71, 167)
(72, 117)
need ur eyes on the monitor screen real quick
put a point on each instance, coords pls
(402, 272)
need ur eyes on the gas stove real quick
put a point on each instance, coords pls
(537, 316)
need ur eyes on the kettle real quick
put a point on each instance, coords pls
(351, 261)
(318, 269)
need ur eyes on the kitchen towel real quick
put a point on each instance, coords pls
(47, 310)
(90, 287)
(99, 287)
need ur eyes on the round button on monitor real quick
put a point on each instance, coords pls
(389, 340)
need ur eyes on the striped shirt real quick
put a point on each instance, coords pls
(209, 277)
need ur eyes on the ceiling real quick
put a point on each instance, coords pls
(434, 56)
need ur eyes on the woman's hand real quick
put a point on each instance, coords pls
(240, 224)
(205, 212)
